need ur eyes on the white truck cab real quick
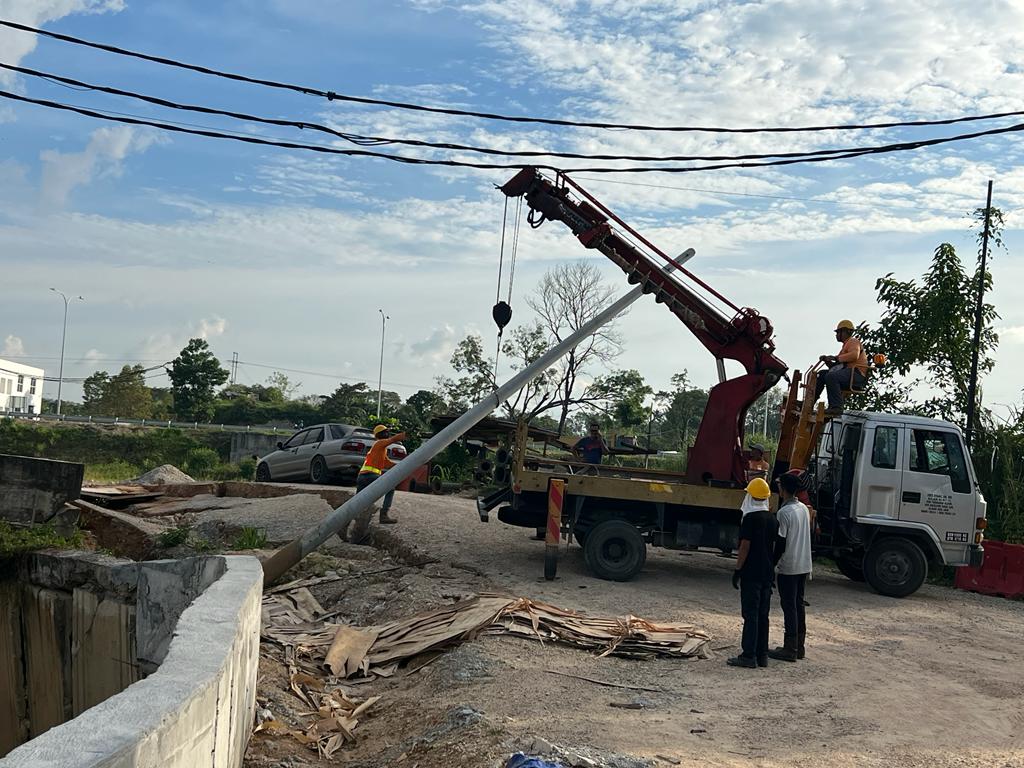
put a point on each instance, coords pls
(894, 494)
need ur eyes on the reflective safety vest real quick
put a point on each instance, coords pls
(377, 460)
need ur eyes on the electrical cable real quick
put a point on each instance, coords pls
(810, 158)
(376, 141)
(334, 96)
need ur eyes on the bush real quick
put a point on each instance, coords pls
(14, 540)
(112, 472)
(247, 468)
(250, 538)
(201, 462)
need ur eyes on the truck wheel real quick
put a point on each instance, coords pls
(895, 567)
(851, 566)
(615, 550)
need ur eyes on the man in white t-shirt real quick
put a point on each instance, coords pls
(793, 564)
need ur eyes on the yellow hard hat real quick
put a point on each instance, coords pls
(758, 489)
(378, 429)
(844, 325)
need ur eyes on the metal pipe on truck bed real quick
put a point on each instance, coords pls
(290, 554)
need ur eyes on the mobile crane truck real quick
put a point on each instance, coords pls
(894, 494)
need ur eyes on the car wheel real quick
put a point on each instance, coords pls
(318, 470)
(895, 567)
(262, 473)
(851, 566)
(615, 550)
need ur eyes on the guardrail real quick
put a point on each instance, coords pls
(156, 423)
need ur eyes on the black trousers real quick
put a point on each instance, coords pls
(364, 479)
(791, 595)
(755, 603)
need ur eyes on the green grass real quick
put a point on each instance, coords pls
(250, 538)
(173, 537)
(15, 539)
(111, 472)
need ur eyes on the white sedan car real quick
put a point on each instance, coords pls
(321, 453)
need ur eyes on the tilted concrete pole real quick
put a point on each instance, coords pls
(291, 553)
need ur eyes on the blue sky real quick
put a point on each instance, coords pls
(284, 257)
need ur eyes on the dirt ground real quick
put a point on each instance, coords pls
(933, 680)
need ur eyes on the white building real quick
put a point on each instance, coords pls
(21, 388)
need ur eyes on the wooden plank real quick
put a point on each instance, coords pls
(637, 489)
(102, 647)
(47, 657)
(12, 682)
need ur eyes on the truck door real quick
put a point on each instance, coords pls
(880, 479)
(937, 488)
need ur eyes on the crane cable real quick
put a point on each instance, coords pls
(502, 310)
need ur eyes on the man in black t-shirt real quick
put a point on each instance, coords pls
(754, 575)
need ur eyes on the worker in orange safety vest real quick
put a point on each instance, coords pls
(847, 370)
(377, 463)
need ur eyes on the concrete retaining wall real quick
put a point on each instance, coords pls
(196, 709)
(34, 490)
(245, 445)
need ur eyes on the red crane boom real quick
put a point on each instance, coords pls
(746, 336)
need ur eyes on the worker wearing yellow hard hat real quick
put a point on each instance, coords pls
(847, 370)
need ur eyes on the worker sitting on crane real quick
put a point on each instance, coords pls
(847, 370)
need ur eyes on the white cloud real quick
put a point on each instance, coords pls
(436, 348)
(36, 13)
(13, 347)
(107, 147)
(210, 328)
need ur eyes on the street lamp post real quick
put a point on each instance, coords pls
(63, 338)
(380, 376)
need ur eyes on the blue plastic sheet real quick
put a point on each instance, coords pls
(519, 760)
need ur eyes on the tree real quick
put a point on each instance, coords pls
(477, 377)
(623, 394)
(350, 404)
(195, 374)
(927, 333)
(93, 389)
(124, 394)
(283, 385)
(684, 410)
(567, 297)
(127, 395)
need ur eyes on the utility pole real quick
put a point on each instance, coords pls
(972, 385)
(234, 367)
(63, 338)
(380, 376)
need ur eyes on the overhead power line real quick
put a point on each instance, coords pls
(334, 96)
(379, 141)
(807, 158)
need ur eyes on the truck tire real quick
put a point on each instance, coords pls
(894, 566)
(851, 566)
(615, 550)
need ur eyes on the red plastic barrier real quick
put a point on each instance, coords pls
(418, 480)
(1001, 573)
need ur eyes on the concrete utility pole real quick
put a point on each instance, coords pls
(972, 384)
(63, 338)
(292, 553)
(380, 375)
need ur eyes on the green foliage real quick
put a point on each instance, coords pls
(477, 374)
(998, 457)
(247, 469)
(250, 538)
(927, 332)
(124, 394)
(112, 472)
(110, 454)
(454, 464)
(17, 539)
(195, 374)
(201, 462)
(623, 393)
(174, 537)
(350, 404)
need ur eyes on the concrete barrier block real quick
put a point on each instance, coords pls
(34, 490)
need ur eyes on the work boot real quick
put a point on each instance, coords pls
(834, 411)
(785, 652)
(386, 520)
(742, 661)
(762, 661)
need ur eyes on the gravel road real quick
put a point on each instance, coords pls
(932, 680)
